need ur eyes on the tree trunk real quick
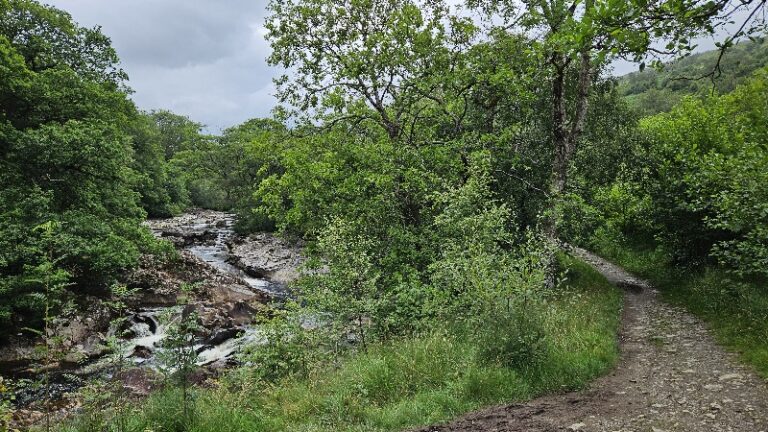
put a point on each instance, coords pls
(560, 141)
(565, 135)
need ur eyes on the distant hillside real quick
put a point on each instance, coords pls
(651, 91)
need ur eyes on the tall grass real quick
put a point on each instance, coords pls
(736, 309)
(411, 381)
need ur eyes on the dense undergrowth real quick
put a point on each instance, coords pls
(412, 381)
(686, 208)
(736, 309)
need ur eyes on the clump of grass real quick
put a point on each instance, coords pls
(736, 309)
(414, 381)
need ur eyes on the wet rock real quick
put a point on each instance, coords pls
(149, 321)
(194, 227)
(140, 381)
(213, 317)
(266, 256)
(160, 283)
(241, 313)
(200, 376)
(17, 355)
(141, 351)
(72, 358)
(185, 238)
(94, 346)
(223, 363)
(79, 331)
(90, 319)
(61, 385)
(223, 335)
(224, 298)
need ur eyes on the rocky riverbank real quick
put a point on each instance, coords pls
(256, 258)
(264, 255)
(229, 280)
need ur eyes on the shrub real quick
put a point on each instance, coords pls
(514, 337)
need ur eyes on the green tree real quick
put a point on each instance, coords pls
(372, 61)
(64, 157)
(223, 172)
(162, 188)
(176, 132)
(706, 188)
(179, 359)
(51, 281)
(348, 293)
(47, 38)
(578, 39)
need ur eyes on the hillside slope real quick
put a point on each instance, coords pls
(651, 91)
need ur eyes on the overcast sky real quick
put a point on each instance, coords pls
(202, 58)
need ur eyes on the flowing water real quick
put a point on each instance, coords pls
(143, 331)
(148, 327)
(217, 253)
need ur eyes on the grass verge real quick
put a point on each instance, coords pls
(735, 309)
(410, 382)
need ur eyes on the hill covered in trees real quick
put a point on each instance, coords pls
(652, 91)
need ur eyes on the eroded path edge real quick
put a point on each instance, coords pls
(672, 376)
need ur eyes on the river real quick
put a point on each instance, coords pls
(207, 235)
(210, 233)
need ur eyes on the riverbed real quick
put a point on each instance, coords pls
(229, 291)
(207, 235)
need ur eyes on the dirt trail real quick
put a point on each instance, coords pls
(672, 377)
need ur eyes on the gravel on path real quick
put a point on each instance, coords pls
(672, 377)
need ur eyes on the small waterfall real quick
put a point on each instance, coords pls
(147, 328)
(143, 325)
(142, 332)
(225, 350)
(217, 254)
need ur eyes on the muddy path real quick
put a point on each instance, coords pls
(672, 377)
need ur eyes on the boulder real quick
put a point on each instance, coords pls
(266, 256)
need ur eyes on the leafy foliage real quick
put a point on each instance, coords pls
(713, 164)
(420, 161)
(407, 382)
(223, 172)
(65, 156)
(162, 187)
(653, 91)
(178, 361)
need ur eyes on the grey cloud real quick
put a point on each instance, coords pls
(201, 58)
